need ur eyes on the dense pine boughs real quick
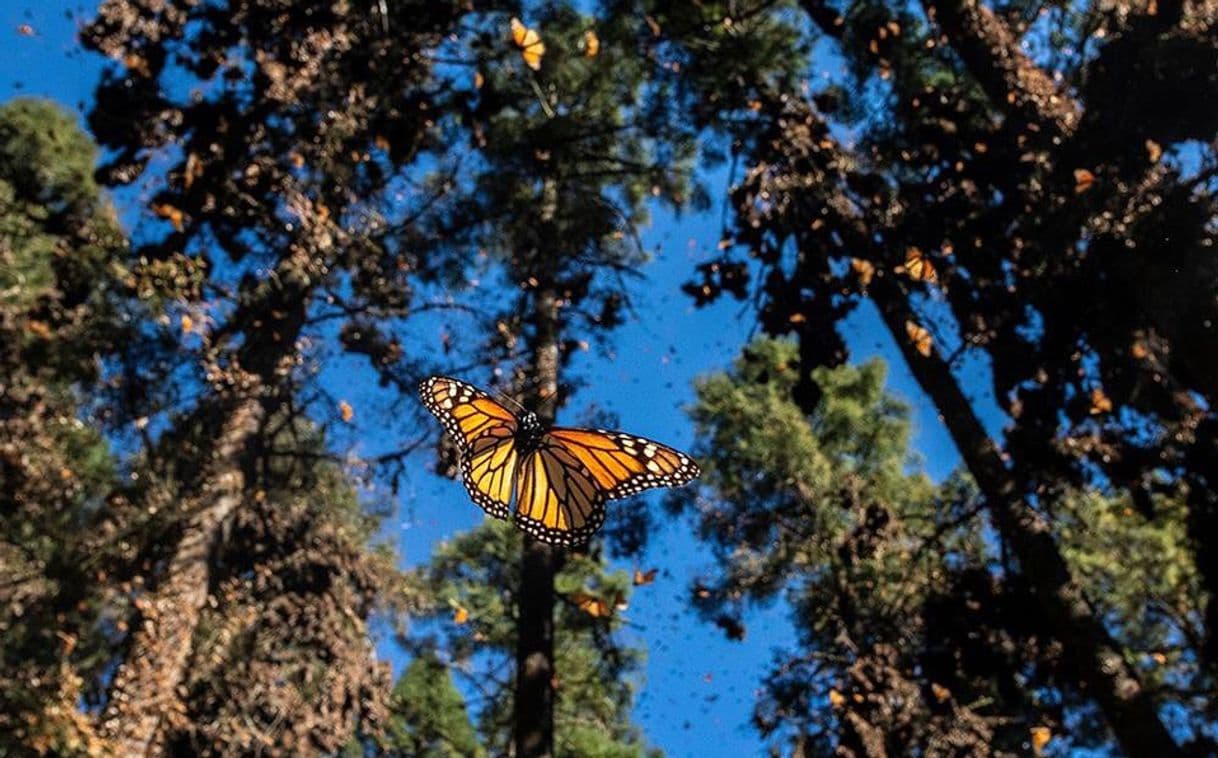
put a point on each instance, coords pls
(913, 627)
(466, 621)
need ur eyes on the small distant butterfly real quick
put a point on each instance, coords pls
(597, 607)
(642, 578)
(920, 337)
(918, 267)
(864, 269)
(557, 478)
(1100, 402)
(529, 42)
(592, 44)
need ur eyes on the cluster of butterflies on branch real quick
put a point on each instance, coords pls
(558, 479)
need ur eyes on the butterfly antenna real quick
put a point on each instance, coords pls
(511, 400)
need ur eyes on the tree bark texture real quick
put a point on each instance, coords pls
(145, 693)
(992, 54)
(1014, 83)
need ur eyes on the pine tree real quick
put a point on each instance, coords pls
(572, 154)
(282, 657)
(282, 135)
(61, 296)
(428, 714)
(567, 155)
(913, 631)
(465, 621)
(987, 171)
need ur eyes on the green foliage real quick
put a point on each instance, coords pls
(466, 618)
(429, 716)
(47, 158)
(58, 244)
(1141, 573)
(828, 509)
(1030, 154)
(792, 486)
(46, 188)
(61, 249)
(898, 591)
(281, 150)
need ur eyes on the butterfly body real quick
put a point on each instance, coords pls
(553, 481)
(529, 432)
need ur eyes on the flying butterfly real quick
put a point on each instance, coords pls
(597, 607)
(529, 42)
(554, 482)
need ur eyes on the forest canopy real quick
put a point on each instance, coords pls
(229, 526)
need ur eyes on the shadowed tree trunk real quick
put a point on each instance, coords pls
(534, 717)
(1116, 687)
(1128, 708)
(992, 54)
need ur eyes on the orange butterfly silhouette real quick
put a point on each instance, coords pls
(918, 267)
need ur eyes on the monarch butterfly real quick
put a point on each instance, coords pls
(1100, 402)
(920, 336)
(592, 44)
(597, 607)
(559, 477)
(529, 42)
(1083, 179)
(918, 267)
(642, 578)
(864, 269)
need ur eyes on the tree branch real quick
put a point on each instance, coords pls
(993, 56)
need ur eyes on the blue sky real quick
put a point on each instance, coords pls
(699, 688)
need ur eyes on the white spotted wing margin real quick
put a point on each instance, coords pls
(484, 432)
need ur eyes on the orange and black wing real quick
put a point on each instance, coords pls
(485, 433)
(557, 499)
(623, 464)
(529, 41)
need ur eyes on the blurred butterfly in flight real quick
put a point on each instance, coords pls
(559, 478)
(529, 41)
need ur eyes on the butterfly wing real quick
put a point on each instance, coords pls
(921, 338)
(557, 500)
(520, 32)
(623, 464)
(533, 50)
(485, 433)
(489, 471)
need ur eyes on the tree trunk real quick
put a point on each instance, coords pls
(993, 56)
(534, 703)
(145, 692)
(145, 689)
(1012, 81)
(1107, 677)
